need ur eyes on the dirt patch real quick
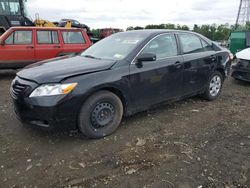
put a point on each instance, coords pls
(191, 143)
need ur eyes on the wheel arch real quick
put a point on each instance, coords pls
(222, 71)
(117, 91)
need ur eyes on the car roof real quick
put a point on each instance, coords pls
(68, 20)
(46, 28)
(159, 31)
(155, 32)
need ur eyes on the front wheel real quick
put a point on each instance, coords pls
(100, 115)
(214, 86)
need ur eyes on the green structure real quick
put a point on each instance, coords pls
(239, 40)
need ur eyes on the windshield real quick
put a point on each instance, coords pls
(115, 47)
(10, 7)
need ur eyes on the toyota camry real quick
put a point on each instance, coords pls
(120, 75)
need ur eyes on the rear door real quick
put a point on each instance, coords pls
(198, 59)
(18, 49)
(47, 44)
(74, 41)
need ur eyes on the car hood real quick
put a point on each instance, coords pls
(244, 54)
(57, 69)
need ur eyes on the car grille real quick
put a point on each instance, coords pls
(245, 75)
(18, 88)
(245, 64)
(21, 88)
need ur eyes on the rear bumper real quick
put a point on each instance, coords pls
(240, 74)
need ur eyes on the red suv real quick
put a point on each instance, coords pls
(20, 46)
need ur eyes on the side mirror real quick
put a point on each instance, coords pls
(146, 57)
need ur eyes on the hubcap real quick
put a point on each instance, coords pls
(102, 115)
(215, 85)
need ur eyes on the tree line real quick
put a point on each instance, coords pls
(214, 32)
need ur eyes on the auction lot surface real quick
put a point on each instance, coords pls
(187, 144)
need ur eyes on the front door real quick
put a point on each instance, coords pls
(18, 49)
(160, 80)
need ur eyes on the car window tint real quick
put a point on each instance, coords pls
(10, 39)
(23, 37)
(76, 23)
(73, 37)
(163, 46)
(190, 43)
(44, 37)
(47, 37)
(55, 38)
(206, 46)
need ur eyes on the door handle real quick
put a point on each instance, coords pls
(213, 58)
(30, 47)
(178, 65)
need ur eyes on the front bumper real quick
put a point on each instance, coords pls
(240, 74)
(51, 117)
(52, 112)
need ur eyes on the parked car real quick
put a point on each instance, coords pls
(105, 32)
(120, 75)
(76, 24)
(241, 70)
(21, 46)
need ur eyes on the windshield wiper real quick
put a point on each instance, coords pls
(92, 57)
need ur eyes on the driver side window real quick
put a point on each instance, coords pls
(162, 46)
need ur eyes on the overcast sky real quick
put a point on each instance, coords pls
(124, 13)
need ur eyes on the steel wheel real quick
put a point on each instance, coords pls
(102, 115)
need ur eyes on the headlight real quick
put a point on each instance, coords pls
(53, 89)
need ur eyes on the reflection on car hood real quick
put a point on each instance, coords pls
(244, 54)
(57, 69)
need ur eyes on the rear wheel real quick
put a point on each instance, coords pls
(214, 86)
(100, 115)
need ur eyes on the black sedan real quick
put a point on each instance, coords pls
(123, 74)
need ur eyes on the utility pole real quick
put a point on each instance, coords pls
(243, 16)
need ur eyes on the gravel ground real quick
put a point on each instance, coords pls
(187, 144)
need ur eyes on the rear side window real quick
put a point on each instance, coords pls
(73, 37)
(47, 37)
(190, 43)
(19, 37)
(206, 46)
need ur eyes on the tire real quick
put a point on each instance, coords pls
(100, 115)
(214, 86)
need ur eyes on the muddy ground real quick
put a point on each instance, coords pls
(187, 144)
